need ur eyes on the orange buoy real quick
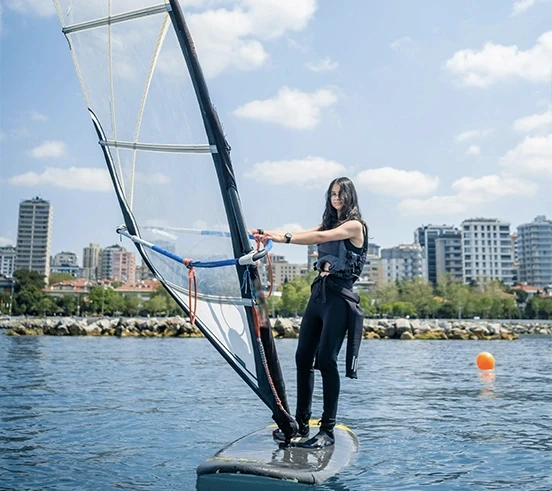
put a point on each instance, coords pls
(485, 361)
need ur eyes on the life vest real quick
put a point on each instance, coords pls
(343, 262)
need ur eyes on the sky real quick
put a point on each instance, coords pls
(438, 112)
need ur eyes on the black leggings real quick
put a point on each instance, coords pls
(323, 329)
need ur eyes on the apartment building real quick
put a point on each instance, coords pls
(534, 252)
(487, 250)
(34, 232)
(403, 262)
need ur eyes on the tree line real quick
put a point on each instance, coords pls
(29, 299)
(449, 299)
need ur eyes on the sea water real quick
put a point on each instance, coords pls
(95, 413)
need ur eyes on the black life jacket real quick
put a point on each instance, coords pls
(343, 262)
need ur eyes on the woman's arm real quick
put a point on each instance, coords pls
(260, 231)
(348, 230)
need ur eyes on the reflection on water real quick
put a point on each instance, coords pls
(487, 379)
(142, 414)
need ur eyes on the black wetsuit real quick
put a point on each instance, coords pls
(331, 311)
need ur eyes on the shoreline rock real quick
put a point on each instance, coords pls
(284, 328)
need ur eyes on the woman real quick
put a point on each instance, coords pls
(333, 309)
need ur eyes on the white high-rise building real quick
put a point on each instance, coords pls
(403, 262)
(487, 250)
(90, 261)
(7, 260)
(534, 247)
(34, 232)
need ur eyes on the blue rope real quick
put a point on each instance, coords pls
(204, 264)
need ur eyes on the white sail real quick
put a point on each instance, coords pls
(171, 170)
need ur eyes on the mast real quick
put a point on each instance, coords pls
(269, 373)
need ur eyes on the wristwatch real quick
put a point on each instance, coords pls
(288, 237)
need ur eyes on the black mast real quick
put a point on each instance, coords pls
(271, 383)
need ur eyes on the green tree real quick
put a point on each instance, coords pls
(156, 305)
(455, 293)
(164, 298)
(105, 301)
(5, 298)
(367, 304)
(67, 304)
(28, 292)
(131, 305)
(403, 309)
(26, 278)
(419, 293)
(47, 306)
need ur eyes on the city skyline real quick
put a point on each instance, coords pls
(305, 249)
(438, 113)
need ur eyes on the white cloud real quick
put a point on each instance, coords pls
(442, 205)
(36, 116)
(489, 188)
(2, 135)
(291, 108)
(473, 150)
(470, 193)
(315, 171)
(290, 227)
(495, 63)
(405, 45)
(533, 122)
(49, 149)
(395, 182)
(83, 179)
(521, 6)
(41, 8)
(532, 157)
(323, 65)
(232, 38)
(472, 135)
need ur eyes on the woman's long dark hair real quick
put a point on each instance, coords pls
(350, 209)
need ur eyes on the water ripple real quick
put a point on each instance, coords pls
(142, 414)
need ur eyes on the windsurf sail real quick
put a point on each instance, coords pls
(170, 166)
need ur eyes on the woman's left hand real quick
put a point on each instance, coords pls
(278, 238)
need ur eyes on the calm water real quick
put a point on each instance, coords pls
(142, 414)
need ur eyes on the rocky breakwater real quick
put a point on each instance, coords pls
(407, 329)
(121, 327)
(404, 329)
(432, 329)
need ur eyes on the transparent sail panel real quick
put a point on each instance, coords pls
(137, 85)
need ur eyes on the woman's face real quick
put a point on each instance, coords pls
(334, 198)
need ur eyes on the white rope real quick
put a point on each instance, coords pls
(153, 62)
(112, 96)
(74, 56)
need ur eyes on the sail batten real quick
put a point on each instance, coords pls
(114, 19)
(156, 147)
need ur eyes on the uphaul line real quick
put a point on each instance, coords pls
(250, 258)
